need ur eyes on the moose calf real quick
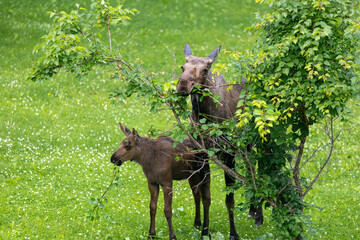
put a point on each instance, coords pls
(162, 163)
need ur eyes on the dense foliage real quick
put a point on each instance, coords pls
(303, 69)
(75, 43)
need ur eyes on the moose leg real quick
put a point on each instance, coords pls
(256, 213)
(252, 211)
(154, 192)
(195, 100)
(167, 189)
(206, 200)
(230, 203)
(259, 217)
(194, 181)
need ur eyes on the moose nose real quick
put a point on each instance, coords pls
(115, 160)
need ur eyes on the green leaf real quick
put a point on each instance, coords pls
(210, 153)
(202, 120)
(257, 112)
(286, 71)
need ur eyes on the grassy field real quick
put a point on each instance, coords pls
(57, 136)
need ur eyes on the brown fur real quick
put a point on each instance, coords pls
(161, 163)
(196, 71)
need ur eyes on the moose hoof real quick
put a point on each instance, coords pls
(205, 233)
(197, 224)
(151, 237)
(252, 212)
(205, 237)
(258, 223)
(259, 220)
(234, 236)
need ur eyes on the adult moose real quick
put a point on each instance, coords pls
(196, 72)
(162, 163)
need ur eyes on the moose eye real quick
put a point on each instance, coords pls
(205, 71)
(127, 147)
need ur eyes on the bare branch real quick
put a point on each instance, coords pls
(252, 171)
(228, 170)
(221, 147)
(173, 54)
(109, 32)
(271, 202)
(192, 174)
(168, 130)
(119, 60)
(312, 155)
(330, 133)
(128, 41)
(85, 36)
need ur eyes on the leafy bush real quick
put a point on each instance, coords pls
(304, 69)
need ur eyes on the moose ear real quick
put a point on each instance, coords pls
(124, 129)
(214, 54)
(135, 135)
(187, 50)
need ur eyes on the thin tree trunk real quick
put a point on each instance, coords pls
(296, 170)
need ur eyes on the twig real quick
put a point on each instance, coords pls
(173, 54)
(85, 36)
(128, 41)
(312, 155)
(119, 60)
(244, 156)
(332, 141)
(168, 130)
(221, 147)
(271, 202)
(109, 32)
(115, 172)
(247, 159)
(228, 170)
(192, 174)
(252, 171)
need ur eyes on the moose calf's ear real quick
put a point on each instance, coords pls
(187, 50)
(135, 135)
(213, 56)
(124, 129)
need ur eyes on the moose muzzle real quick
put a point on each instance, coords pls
(185, 87)
(116, 160)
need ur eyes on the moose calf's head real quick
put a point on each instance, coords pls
(128, 149)
(195, 70)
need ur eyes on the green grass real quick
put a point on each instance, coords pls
(56, 136)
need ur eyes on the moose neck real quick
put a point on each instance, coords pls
(216, 111)
(202, 106)
(144, 151)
